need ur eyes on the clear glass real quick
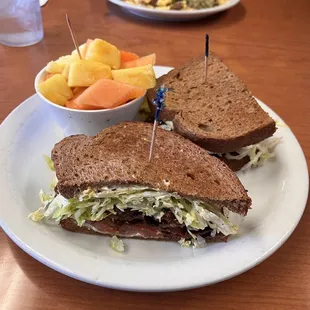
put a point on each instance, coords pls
(20, 22)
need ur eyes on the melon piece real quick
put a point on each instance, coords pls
(56, 89)
(143, 61)
(104, 52)
(77, 91)
(106, 94)
(128, 56)
(83, 73)
(143, 77)
(58, 65)
(83, 48)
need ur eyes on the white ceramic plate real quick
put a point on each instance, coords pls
(170, 15)
(279, 192)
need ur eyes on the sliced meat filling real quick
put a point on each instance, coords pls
(133, 224)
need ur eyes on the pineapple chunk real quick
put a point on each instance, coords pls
(143, 77)
(53, 67)
(104, 52)
(58, 65)
(83, 73)
(56, 89)
(65, 71)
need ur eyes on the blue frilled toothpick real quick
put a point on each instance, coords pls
(159, 101)
(206, 57)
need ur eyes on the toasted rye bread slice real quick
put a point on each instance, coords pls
(220, 115)
(119, 156)
(71, 225)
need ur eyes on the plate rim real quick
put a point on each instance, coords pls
(183, 286)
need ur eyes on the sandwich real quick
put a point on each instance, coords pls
(106, 185)
(220, 115)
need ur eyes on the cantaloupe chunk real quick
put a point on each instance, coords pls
(77, 91)
(104, 52)
(143, 61)
(128, 56)
(106, 94)
(56, 89)
(143, 77)
(83, 73)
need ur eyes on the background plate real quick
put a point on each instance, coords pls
(279, 191)
(173, 15)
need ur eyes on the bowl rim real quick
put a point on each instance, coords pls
(39, 77)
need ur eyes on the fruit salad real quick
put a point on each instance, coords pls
(103, 78)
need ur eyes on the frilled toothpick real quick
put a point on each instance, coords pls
(159, 101)
(206, 57)
(73, 36)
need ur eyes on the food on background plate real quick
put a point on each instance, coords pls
(103, 69)
(221, 115)
(106, 185)
(178, 4)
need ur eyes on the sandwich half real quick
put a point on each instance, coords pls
(106, 185)
(221, 115)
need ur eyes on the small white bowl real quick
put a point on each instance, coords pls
(88, 122)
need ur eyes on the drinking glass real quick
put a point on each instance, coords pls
(20, 22)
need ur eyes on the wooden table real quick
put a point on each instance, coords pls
(267, 43)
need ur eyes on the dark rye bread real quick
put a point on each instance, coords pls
(119, 156)
(71, 225)
(220, 115)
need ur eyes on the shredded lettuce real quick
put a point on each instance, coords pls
(38, 215)
(53, 183)
(167, 125)
(49, 162)
(185, 243)
(195, 242)
(259, 153)
(95, 206)
(117, 244)
(281, 124)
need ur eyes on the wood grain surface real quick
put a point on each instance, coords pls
(267, 43)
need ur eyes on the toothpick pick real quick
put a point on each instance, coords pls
(206, 57)
(153, 140)
(73, 36)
